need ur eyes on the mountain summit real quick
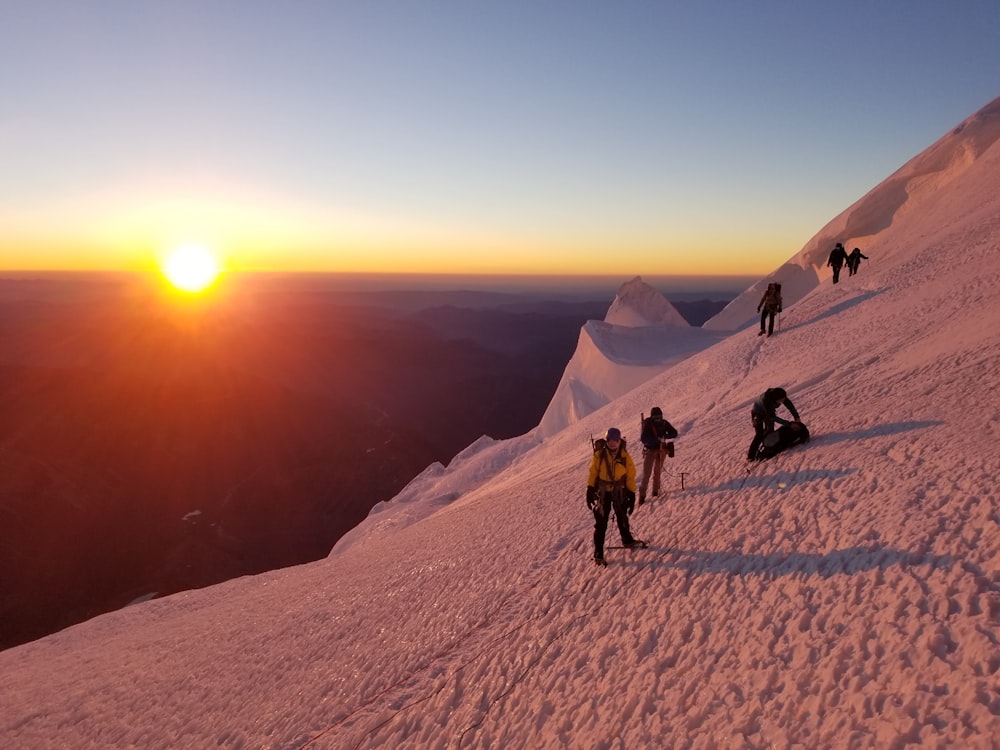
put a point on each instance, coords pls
(641, 335)
(638, 304)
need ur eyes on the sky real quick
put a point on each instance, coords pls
(842, 594)
(473, 138)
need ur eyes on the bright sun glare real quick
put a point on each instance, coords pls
(191, 268)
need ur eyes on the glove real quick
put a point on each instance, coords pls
(758, 308)
(591, 497)
(779, 309)
(629, 502)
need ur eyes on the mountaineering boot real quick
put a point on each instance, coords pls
(761, 332)
(598, 560)
(642, 499)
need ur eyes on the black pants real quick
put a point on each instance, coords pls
(601, 512)
(770, 323)
(761, 429)
(836, 273)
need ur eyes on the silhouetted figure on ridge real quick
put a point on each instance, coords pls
(854, 260)
(838, 256)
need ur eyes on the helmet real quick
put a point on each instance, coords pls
(656, 411)
(613, 433)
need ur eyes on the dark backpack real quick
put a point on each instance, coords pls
(782, 439)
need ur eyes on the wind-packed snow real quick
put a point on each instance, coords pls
(844, 594)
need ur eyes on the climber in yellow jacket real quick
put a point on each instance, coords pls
(611, 485)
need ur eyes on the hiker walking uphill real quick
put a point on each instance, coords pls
(763, 415)
(854, 260)
(611, 484)
(838, 256)
(770, 303)
(655, 437)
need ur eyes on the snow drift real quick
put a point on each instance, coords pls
(844, 594)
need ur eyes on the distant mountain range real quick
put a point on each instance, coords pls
(146, 450)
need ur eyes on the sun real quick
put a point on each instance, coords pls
(191, 268)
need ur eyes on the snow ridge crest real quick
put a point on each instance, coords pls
(637, 304)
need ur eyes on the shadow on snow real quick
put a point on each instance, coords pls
(881, 430)
(847, 304)
(826, 564)
(781, 480)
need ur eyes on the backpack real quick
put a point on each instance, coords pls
(782, 439)
(772, 297)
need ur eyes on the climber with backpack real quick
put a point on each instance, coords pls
(656, 436)
(771, 304)
(611, 484)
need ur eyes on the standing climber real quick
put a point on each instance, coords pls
(770, 303)
(655, 436)
(611, 484)
(837, 258)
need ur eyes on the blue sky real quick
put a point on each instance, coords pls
(569, 137)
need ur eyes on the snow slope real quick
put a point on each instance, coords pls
(912, 189)
(641, 335)
(844, 594)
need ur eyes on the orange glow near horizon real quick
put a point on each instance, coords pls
(265, 234)
(120, 228)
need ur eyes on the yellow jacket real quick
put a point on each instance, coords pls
(607, 468)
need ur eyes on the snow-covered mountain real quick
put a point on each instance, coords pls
(917, 193)
(641, 335)
(844, 594)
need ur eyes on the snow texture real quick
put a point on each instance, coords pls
(843, 594)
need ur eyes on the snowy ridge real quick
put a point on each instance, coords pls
(844, 594)
(641, 335)
(610, 361)
(638, 304)
(912, 189)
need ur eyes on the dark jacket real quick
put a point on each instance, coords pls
(766, 406)
(771, 300)
(837, 256)
(763, 415)
(654, 431)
